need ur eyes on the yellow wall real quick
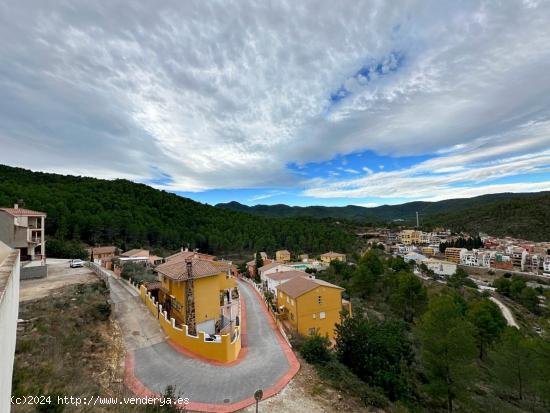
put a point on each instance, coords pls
(206, 293)
(282, 256)
(225, 351)
(301, 310)
(328, 260)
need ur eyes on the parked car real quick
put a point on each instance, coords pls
(76, 263)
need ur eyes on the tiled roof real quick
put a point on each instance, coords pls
(183, 255)
(332, 254)
(135, 253)
(286, 275)
(201, 268)
(301, 285)
(21, 212)
(103, 250)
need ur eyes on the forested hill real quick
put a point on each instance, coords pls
(132, 215)
(516, 214)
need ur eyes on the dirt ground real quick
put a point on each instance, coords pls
(59, 275)
(307, 394)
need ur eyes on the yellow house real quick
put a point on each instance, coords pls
(311, 306)
(282, 256)
(213, 288)
(328, 257)
(212, 329)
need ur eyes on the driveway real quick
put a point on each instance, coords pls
(59, 276)
(153, 364)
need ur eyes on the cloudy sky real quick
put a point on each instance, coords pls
(305, 103)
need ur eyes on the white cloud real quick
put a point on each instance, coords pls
(226, 96)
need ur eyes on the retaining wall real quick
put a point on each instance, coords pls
(224, 351)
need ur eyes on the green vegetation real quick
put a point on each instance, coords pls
(505, 214)
(129, 215)
(515, 287)
(422, 346)
(138, 272)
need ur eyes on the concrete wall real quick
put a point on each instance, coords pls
(9, 309)
(38, 271)
(6, 229)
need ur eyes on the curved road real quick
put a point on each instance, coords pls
(505, 312)
(157, 364)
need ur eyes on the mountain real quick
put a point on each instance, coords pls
(515, 214)
(129, 215)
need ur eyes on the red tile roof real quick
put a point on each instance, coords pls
(183, 255)
(301, 285)
(286, 275)
(22, 212)
(201, 268)
(135, 253)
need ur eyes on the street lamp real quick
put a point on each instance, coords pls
(258, 394)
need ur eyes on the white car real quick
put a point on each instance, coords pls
(76, 263)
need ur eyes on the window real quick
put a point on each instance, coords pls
(322, 315)
(312, 331)
(319, 299)
(314, 315)
(291, 301)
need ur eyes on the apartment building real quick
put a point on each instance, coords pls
(452, 254)
(475, 258)
(24, 229)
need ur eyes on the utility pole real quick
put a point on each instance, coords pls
(417, 221)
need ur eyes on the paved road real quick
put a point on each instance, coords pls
(157, 365)
(505, 312)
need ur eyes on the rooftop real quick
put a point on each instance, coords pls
(301, 285)
(135, 253)
(201, 268)
(104, 250)
(286, 275)
(332, 254)
(23, 212)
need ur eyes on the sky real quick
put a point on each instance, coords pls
(303, 103)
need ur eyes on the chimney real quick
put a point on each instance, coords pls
(15, 206)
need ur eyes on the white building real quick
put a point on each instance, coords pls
(546, 265)
(475, 258)
(9, 309)
(440, 267)
(272, 268)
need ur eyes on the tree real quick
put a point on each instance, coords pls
(458, 279)
(378, 352)
(513, 360)
(259, 264)
(448, 348)
(367, 273)
(516, 287)
(315, 349)
(529, 298)
(488, 321)
(411, 297)
(502, 285)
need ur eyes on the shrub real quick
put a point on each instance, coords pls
(315, 349)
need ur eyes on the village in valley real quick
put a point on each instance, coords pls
(194, 313)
